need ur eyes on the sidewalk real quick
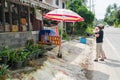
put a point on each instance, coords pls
(71, 67)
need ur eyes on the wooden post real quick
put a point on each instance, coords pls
(3, 12)
(19, 17)
(28, 17)
(41, 27)
(10, 15)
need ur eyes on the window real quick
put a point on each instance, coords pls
(63, 5)
(35, 23)
(4, 18)
(19, 18)
(13, 17)
(57, 2)
(24, 18)
(7, 18)
(15, 20)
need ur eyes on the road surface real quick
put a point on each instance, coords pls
(110, 68)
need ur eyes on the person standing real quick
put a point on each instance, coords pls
(99, 41)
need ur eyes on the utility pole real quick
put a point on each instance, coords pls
(90, 4)
(93, 6)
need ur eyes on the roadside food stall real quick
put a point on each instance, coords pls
(49, 36)
(63, 15)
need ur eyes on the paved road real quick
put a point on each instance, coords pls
(110, 68)
(112, 36)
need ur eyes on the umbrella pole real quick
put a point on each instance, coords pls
(59, 55)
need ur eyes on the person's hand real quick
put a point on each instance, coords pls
(96, 35)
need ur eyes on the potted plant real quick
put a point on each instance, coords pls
(30, 49)
(29, 42)
(3, 72)
(17, 59)
(11, 52)
(33, 49)
(41, 53)
(38, 50)
(4, 53)
(25, 55)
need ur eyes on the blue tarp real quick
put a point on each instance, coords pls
(49, 32)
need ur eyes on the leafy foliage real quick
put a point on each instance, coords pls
(79, 7)
(112, 16)
(5, 51)
(3, 70)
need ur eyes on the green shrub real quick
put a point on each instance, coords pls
(3, 70)
(29, 42)
(90, 30)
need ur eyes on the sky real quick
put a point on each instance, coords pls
(101, 5)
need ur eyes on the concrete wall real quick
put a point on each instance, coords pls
(15, 39)
(35, 36)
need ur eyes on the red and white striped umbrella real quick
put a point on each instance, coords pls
(64, 15)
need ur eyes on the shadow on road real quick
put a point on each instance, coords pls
(96, 75)
(111, 62)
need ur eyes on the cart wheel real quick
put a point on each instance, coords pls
(59, 55)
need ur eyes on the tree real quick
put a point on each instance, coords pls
(115, 6)
(112, 16)
(117, 22)
(118, 15)
(79, 7)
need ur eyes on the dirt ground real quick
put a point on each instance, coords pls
(72, 66)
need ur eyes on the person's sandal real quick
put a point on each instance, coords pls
(101, 59)
(96, 60)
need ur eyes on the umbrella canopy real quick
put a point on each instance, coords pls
(64, 15)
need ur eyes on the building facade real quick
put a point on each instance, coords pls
(21, 20)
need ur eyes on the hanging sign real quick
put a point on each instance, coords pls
(38, 14)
